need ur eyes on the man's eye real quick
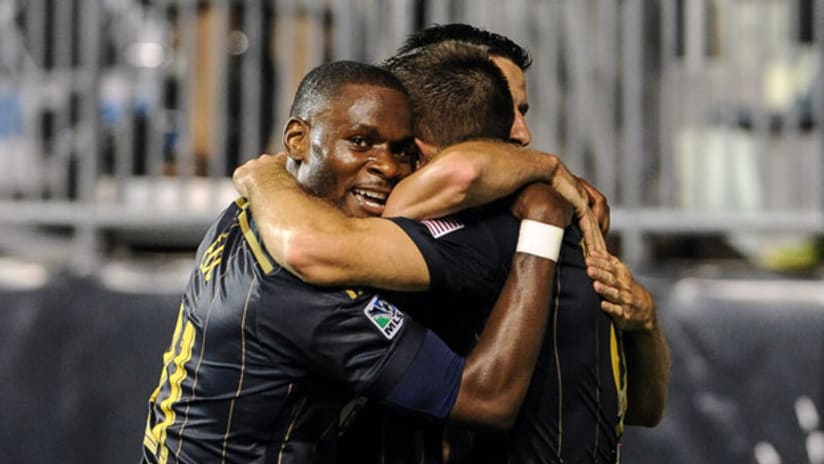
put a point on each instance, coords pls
(403, 155)
(407, 157)
(360, 142)
(405, 152)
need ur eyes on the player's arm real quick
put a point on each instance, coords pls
(317, 242)
(498, 370)
(322, 246)
(647, 354)
(399, 362)
(477, 172)
(648, 369)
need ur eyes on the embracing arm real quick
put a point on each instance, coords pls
(648, 369)
(324, 247)
(498, 370)
(317, 242)
(474, 173)
(632, 308)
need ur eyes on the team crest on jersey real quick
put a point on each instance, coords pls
(442, 226)
(385, 316)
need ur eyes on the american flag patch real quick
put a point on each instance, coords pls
(442, 226)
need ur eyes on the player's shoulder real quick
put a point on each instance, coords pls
(443, 226)
(469, 223)
(338, 310)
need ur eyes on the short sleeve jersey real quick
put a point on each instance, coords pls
(261, 364)
(573, 411)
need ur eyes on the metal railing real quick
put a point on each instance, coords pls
(693, 116)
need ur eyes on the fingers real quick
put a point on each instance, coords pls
(602, 258)
(609, 292)
(239, 178)
(609, 281)
(601, 271)
(611, 265)
(280, 157)
(630, 305)
(597, 203)
(593, 237)
(244, 175)
(616, 311)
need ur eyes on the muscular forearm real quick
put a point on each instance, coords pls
(478, 172)
(498, 370)
(317, 242)
(467, 175)
(288, 217)
(648, 370)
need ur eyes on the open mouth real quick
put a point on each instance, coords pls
(370, 200)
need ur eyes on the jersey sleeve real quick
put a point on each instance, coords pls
(364, 342)
(464, 255)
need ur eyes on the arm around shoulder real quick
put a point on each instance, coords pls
(317, 242)
(648, 369)
(466, 175)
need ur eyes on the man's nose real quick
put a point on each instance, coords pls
(520, 131)
(384, 164)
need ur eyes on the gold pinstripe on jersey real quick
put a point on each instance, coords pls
(150, 438)
(252, 285)
(298, 410)
(619, 373)
(557, 353)
(212, 256)
(184, 354)
(254, 245)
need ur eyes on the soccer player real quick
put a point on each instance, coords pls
(261, 364)
(630, 304)
(586, 401)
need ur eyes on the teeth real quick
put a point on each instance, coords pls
(371, 195)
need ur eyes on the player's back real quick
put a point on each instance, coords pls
(573, 408)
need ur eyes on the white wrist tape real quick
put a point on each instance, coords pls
(539, 239)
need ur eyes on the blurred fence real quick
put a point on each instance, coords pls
(127, 116)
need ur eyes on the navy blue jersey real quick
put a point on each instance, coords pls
(261, 365)
(574, 407)
(455, 308)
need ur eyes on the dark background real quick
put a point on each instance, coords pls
(79, 361)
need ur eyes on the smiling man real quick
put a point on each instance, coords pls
(261, 364)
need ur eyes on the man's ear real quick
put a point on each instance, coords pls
(296, 138)
(428, 151)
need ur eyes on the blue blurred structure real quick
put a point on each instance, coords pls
(697, 118)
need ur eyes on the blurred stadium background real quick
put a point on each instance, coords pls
(701, 120)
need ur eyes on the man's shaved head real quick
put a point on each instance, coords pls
(327, 79)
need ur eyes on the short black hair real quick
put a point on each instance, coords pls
(326, 80)
(493, 43)
(456, 95)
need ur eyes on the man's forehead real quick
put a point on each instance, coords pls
(510, 69)
(516, 78)
(369, 110)
(353, 98)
